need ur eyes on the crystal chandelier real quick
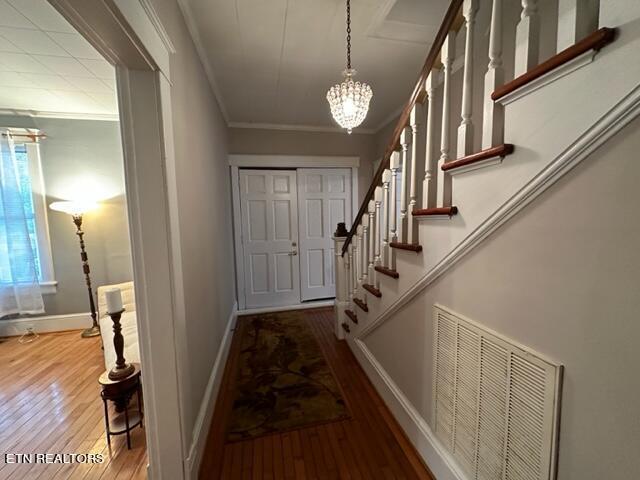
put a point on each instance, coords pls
(349, 101)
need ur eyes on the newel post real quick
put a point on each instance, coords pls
(342, 295)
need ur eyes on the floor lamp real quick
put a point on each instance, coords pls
(77, 210)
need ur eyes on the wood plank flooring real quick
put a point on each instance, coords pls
(370, 445)
(50, 403)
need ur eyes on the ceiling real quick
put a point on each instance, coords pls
(274, 60)
(47, 67)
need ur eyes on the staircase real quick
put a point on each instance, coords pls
(479, 138)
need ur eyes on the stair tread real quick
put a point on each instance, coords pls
(435, 211)
(413, 247)
(497, 151)
(595, 41)
(387, 271)
(372, 290)
(361, 304)
(352, 316)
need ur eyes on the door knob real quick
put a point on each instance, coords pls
(293, 253)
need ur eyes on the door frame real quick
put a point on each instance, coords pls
(130, 36)
(248, 161)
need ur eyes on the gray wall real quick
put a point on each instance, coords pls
(290, 142)
(83, 155)
(562, 278)
(204, 203)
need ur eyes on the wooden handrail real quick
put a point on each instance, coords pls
(451, 18)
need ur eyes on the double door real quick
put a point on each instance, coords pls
(288, 219)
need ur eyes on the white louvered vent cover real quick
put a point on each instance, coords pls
(495, 405)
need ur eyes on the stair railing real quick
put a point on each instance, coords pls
(450, 22)
(413, 180)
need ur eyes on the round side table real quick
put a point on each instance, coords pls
(120, 393)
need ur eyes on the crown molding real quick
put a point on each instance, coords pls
(106, 117)
(204, 60)
(298, 128)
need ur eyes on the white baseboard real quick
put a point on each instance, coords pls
(44, 324)
(284, 308)
(414, 425)
(203, 421)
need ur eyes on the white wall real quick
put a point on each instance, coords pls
(204, 204)
(562, 278)
(290, 142)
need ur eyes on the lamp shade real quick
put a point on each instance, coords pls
(73, 207)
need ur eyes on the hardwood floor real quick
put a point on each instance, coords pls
(50, 403)
(370, 445)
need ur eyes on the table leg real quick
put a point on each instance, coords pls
(106, 421)
(126, 422)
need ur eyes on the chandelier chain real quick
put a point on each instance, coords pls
(349, 34)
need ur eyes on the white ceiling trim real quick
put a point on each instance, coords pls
(299, 128)
(208, 68)
(292, 161)
(107, 117)
(157, 24)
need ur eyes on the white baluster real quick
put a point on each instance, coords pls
(405, 139)
(527, 38)
(372, 241)
(354, 263)
(377, 197)
(428, 184)
(576, 20)
(386, 204)
(349, 265)
(493, 114)
(360, 271)
(356, 253)
(394, 164)
(364, 253)
(465, 130)
(444, 180)
(415, 122)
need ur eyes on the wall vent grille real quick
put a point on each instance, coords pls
(496, 404)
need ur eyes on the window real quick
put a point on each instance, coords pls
(22, 158)
(34, 203)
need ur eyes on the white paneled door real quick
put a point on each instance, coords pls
(324, 199)
(270, 237)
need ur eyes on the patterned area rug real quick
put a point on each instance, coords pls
(283, 381)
